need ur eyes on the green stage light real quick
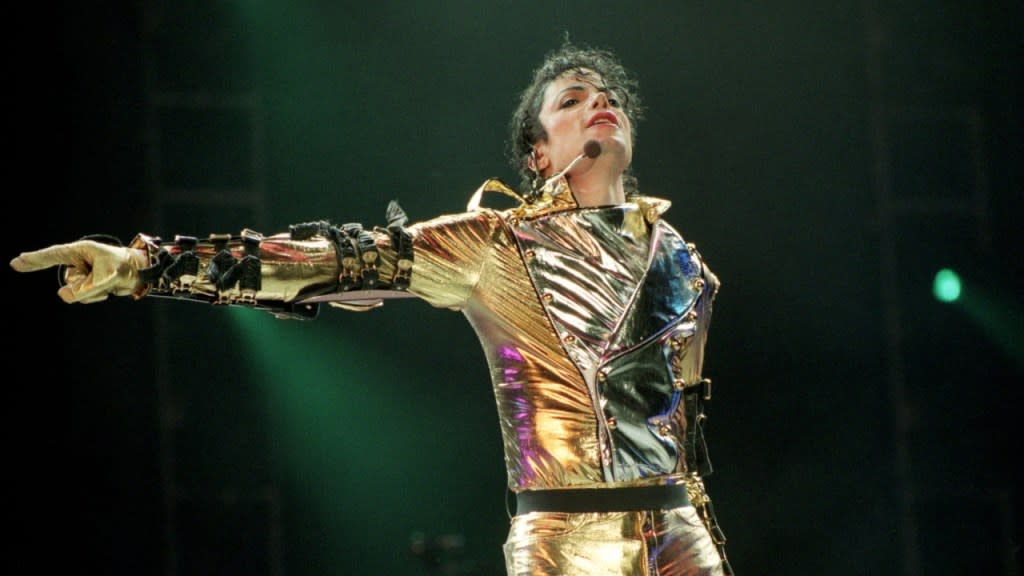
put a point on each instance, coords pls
(946, 285)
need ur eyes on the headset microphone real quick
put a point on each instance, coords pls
(591, 149)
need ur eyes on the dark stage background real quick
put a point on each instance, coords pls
(826, 158)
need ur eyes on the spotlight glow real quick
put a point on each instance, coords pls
(946, 286)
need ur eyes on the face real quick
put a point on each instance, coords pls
(578, 107)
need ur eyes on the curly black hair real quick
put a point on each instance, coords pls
(525, 127)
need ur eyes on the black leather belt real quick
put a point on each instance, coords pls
(602, 499)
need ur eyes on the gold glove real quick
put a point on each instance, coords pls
(92, 270)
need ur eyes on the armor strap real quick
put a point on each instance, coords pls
(186, 264)
(358, 256)
(367, 255)
(174, 266)
(401, 241)
(696, 448)
(226, 271)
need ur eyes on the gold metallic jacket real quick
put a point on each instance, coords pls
(593, 322)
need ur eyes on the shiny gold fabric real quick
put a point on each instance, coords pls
(593, 322)
(644, 543)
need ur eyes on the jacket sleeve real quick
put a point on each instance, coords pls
(348, 266)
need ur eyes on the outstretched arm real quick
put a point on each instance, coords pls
(288, 274)
(272, 273)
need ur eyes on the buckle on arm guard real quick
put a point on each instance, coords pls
(226, 271)
(358, 255)
(181, 271)
(347, 250)
(221, 262)
(348, 276)
(401, 241)
(368, 255)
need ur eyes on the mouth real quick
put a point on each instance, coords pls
(603, 119)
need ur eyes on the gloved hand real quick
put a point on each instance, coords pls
(92, 270)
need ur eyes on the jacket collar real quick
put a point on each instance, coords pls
(556, 196)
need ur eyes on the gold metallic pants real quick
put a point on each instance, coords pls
(649, 543)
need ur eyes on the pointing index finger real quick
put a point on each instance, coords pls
(47, 258)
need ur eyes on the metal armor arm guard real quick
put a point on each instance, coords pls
(279, 273)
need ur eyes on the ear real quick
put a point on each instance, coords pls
(539, 160)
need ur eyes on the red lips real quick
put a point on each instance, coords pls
(603, 117)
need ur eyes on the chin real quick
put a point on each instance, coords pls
(617, 148)
(614, 144)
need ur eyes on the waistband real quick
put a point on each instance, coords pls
(602, 499)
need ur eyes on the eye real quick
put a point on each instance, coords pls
(614, 101)
(568, 102)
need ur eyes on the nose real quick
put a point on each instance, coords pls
(600, 100)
